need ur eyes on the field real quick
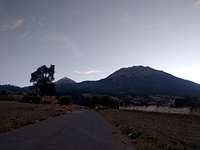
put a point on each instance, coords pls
(14, 115)
(156, 131)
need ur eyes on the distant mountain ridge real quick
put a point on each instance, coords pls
(139, 80)
(135, 71)
(10, 88)
(136, 80)
(146, 80)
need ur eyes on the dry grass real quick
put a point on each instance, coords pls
(156, 131)
(14, 115)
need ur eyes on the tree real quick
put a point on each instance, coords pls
(42, 80)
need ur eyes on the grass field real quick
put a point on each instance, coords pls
(156, 131)
(14, 115)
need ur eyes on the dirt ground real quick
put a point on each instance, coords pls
(156, 131)
(14, 115)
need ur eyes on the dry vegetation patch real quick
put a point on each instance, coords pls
(156, 131)
(14, 115)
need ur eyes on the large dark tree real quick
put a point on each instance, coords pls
(42, 80)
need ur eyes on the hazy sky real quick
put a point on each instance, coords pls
(89, 39)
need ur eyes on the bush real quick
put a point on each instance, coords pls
(31, 99)
(65, 100)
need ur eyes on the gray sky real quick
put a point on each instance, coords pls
(89, 39)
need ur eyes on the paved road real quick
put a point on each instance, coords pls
(74, 131)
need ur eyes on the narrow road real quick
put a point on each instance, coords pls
(85, 130)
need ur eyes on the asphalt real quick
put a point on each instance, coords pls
(84, 130)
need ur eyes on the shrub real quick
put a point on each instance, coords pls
(65, 100)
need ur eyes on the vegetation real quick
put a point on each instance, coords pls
(187, 102)
(42, 80)
(14, 115)
(156, 131)
(65, 100)
(31, 99)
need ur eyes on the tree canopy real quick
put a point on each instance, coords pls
(42, 80)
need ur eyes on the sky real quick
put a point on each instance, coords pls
(90, 39)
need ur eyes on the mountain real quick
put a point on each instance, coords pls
(146, 80)
(139, 80)
(64, 81)
(65, 84)
(136, 80)
(10, 88)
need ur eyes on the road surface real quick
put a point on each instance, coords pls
(84, 130)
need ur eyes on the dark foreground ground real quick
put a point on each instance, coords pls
(80, 130)
(155, 131)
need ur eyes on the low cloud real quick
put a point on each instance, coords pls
(88, 72)
(13, 25)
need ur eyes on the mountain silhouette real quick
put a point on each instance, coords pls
(10, 88)
(136, 80)
(139, 80)
(64, 81)
(64, 85)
